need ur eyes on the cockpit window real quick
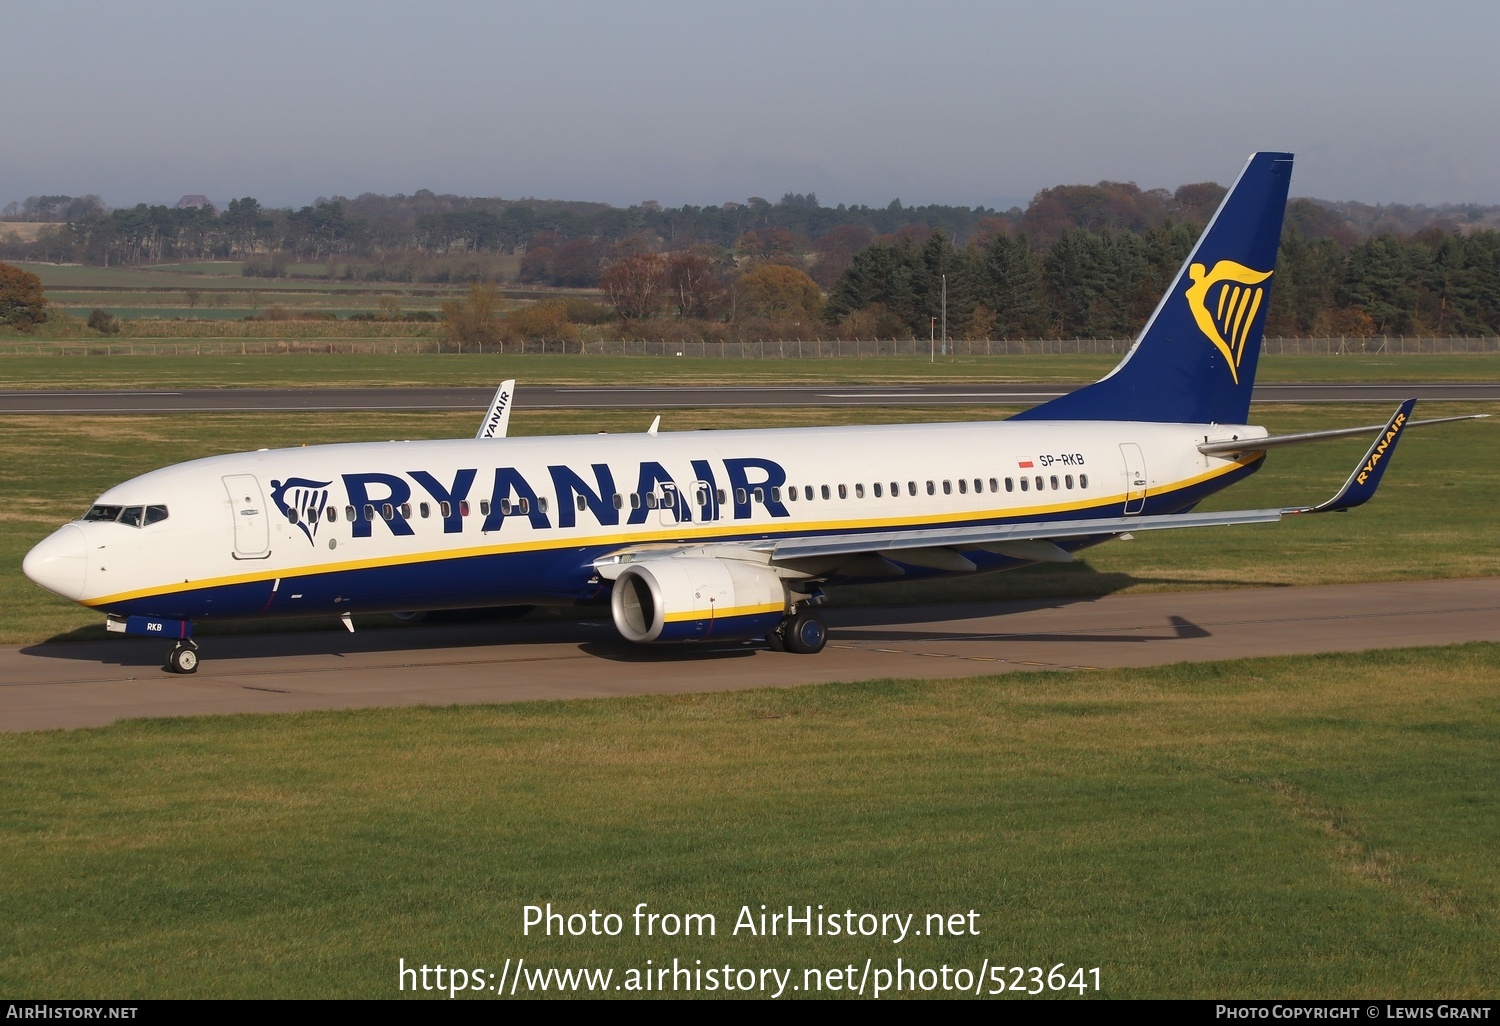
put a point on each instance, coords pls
(133, 516)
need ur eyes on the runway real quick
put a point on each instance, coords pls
(95, 683)
(578, 397)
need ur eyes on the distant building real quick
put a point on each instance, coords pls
(196, 201)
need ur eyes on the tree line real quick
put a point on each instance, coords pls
(1078, 261)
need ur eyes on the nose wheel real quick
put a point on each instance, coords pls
(183, 658)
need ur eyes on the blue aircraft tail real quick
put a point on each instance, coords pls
(1194, 362)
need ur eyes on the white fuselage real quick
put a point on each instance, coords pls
(447, 524)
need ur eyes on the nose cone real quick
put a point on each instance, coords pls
(59, 562)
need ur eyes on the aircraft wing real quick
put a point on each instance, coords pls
(942, 547)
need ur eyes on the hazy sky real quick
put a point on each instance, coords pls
(702, 102)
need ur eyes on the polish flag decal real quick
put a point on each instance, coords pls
(1025, 464)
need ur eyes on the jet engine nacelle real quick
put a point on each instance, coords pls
(697, 598)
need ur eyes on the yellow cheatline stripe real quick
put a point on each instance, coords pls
(707, 533)
(724, 614)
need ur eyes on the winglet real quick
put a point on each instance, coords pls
(1366, 477)
(497, 420)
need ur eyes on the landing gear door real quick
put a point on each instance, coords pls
(1135, 477)
(252, 520)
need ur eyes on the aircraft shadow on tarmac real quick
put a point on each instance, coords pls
(1177, 628)
(596, 636)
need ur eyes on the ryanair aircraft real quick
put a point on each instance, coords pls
(709, 536)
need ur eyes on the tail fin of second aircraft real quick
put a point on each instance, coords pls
(1194, 362)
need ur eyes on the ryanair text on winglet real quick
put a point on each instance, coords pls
(1380, 450)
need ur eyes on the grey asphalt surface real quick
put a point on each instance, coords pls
(561, 397)
(71, 685)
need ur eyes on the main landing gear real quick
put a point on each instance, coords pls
(804, 632)
(183, 658)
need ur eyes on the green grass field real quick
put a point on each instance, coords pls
(321, 370)
(1316, 827)
(1300, 827)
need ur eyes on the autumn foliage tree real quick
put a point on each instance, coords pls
(695, 283)
(473, 320)
(636, 285)
(778, 292)
(23, 304)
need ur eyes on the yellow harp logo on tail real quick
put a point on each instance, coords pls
(1224, 302)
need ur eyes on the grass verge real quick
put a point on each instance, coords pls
(1313, 827)
(302, 370)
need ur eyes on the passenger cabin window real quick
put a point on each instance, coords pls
(1025, 483)
(445, 510)
(1039, 482)
(1083, 480)
(741, 496)
(1068, 480)
(931, 488)
(541, 503)
(825, 492)
(843, 491)
(349, 514)
(994, 485)
(406, 511)
(791, 493)
(911, 488)
(387, 511)
(859, 491)
(619, 500)
(583, 503)
(369, 511)
(463, 507)
(807, 493)
(877, 489)
(1054, 482)
(425, 509)
(484, 507)
(1010, 484)
(333, 514)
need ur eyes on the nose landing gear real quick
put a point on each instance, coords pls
(183, 658)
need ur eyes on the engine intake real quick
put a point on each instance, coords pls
(696, 598)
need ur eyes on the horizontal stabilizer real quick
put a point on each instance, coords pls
(1235, 446)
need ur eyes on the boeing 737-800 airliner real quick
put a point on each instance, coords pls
(721, 535)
